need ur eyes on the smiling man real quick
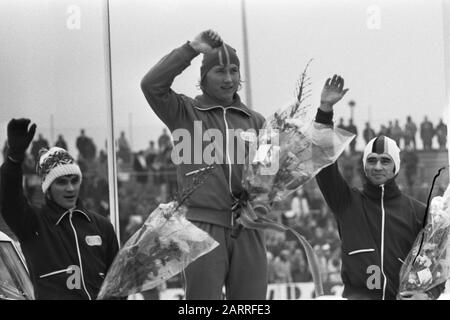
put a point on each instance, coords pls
(239, 263)
(378, 224)
(68, 250)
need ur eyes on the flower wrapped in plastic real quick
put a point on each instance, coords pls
(428, 262)
(289, 151)
(165, 245)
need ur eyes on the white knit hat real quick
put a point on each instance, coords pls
(55, 163)
(380, 145)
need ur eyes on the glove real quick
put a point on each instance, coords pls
(19, 138)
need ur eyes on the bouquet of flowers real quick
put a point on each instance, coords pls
(165, 245)
(290, 150)
(428, 263)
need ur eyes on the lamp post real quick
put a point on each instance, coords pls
(248, 89)
(351, 104)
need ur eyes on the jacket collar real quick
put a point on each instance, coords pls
(391, 189)
(57, 213)
(205, 103)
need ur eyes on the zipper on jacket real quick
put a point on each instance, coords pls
(382, 241)
(79, 255)
(54, 273)
(360, 251)
(228, 158)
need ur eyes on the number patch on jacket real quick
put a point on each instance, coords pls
(94, 240)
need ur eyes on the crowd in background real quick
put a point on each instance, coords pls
(147, 178)
(404, 135)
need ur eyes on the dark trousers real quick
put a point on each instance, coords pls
(239, 264)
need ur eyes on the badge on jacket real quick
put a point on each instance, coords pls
(94, 240)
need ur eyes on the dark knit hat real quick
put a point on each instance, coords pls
(220, 56)
(55, 163)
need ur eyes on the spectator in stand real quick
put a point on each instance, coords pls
(91, 150)
(410, 133)
(396, 133)
(140, 167)
(61, 143)
(368, 133)
(164, 141)
(82, 144)
(383, 130)
(299, 267)
(300, 204)
(352, 128)
(37, 145)
(270, 269)
(426, 133)
(341, 124)
(389, 129)
(334, 267)
(150, 154)
(124, 150)
(282, 268)
(410, 160)
(441, 133)
(86, 147)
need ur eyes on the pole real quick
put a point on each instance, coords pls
(248, 89)
(446, 40)
(52, 130)
(111, 150)
(352, 105)
(130, 129)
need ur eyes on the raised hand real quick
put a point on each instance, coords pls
(332, 92)
(206, 41)
(19, 138)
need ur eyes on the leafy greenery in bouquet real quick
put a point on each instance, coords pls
(291, 150)
(165, 245)
(428, 263)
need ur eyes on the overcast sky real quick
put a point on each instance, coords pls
(52, 58)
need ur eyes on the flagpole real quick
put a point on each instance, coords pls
(446, 34)
(111, 150)
(248, 90)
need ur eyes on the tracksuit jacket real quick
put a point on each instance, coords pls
(212, 202)
(68, 253)
(240, 262)
(377, 226)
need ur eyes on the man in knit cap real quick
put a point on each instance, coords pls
(378, 224)
(239, 262)
(68, 250)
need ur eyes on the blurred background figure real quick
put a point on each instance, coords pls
(368, 133)
(61, 143)
(36, 145)
(164, 141)
(124, 150)
(410, 133)
(441, 133)
(396, 133)
(426, 133)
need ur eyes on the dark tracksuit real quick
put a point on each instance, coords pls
(377, 226)
(68, 253)
(238, 263)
